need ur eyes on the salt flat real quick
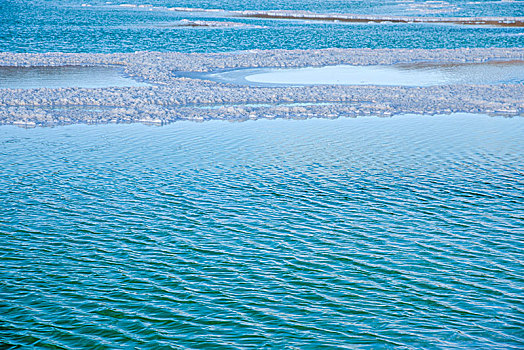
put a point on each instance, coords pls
(487, 81)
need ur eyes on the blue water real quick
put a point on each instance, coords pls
(47, 25)
(302, 234)
(403, 232)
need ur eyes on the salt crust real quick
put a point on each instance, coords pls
(177, 96)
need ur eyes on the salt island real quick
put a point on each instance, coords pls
(252, 84)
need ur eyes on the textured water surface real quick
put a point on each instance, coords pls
(369, 233)
(68, 26)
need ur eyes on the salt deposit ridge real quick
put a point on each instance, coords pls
(340, 17)
(176, 94)
(311, 16)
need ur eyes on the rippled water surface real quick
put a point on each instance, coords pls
(70, 26)
(368, 233)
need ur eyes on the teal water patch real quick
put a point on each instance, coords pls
(368, 232)
(67, 26)
(64, 76)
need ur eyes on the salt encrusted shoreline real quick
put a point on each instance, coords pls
(181, 98)
(312, 16)
(424, 8)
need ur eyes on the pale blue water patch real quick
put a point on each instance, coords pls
(403, 75)
(368, 232)
(64, 76)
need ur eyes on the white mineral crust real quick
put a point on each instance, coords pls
(178, 94)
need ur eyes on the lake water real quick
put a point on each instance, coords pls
(67, 26)
(366, 233)
(403, 75)
(348, 233)
(64, 76)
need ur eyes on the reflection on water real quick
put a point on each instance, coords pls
(402, 75)
(64, 76)
(350, 233)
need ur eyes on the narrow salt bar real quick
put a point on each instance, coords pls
(64, 77)
(394, 75)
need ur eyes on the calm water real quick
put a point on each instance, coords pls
(62, 77)
(369, 233)
(414, 75)
(66, 25)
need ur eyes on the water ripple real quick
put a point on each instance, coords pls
(361, 233)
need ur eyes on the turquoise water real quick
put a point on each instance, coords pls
(403, 232)
(349, 233)
(67, 26)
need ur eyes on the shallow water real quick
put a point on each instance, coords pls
(367, 232)
(414, 75)
(64, 76)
